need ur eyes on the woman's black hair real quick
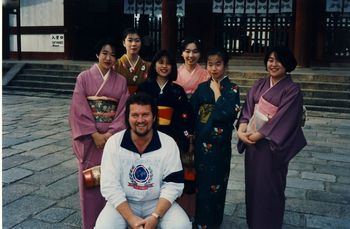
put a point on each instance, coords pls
(221, 53)
(102, 43)
(141, 98)
(128, 31)
(152, 73)
(189, 40)
(284, 55)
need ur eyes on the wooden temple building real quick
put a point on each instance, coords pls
(318, 31)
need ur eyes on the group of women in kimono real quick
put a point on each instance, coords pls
(198, 108)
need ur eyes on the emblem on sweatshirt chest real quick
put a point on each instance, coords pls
(140, 177)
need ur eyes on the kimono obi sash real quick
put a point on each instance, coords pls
(266, 108)
(165, 114)
(132, 89)
(263, 112)
(103, 108)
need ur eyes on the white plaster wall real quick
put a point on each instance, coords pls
(38, 43)
(13, 43)
(42, 13)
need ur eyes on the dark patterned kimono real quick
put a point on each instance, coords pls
(213, 131)
(171, 97)
(266, 162)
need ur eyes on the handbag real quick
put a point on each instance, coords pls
(256, 121)
(187, 157)
(91, 176)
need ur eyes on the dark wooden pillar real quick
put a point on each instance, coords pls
(302, 41)
(309, 32)
(169, 26)
(19, 42)
(199, 22)
(318, 21)
(5, 32)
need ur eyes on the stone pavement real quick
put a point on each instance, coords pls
(39, 170)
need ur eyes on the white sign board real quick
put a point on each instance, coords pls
(57, 40)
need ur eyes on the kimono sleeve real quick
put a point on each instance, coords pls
(111, 188)
(286, 122)
(227, 106)
(194, 102)
(249, 104)
(183, 113)
(173, 183)
(81, 120)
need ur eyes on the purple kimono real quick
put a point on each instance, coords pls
(266, 162)
(83, 122)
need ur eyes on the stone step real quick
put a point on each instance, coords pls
(326, 94)
(322, 92)
(312, 101)
(50, 72)
(20, 90)
(341, 77)
(328, 109)
(46, 78)
(68, 67)
(327, 102)
(42, 84)
(316, 85)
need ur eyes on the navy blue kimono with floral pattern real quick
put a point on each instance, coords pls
(214, 123)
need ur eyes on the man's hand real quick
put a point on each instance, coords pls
(136, 222)
(150, 222)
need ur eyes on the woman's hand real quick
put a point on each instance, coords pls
(243, 135)
(99, 140)
(256, 136)
(107, 135)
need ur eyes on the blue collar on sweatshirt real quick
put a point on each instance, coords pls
(128, 144)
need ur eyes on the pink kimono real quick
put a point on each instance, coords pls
(190, 80)
(84, 120)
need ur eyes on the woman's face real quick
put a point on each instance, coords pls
(106, 58)
(191, 54)
(216, 67)
(275, 67)
(132, 43)
(163, 67)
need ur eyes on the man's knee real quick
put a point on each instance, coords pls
(110, 218)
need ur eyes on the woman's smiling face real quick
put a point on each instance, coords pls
(275, 67)
(163, 67)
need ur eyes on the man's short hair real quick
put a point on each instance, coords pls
(141, 98)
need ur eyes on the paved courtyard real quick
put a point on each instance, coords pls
(39, 170)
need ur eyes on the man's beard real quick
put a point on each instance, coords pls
(142, 134)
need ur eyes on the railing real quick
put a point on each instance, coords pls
(154, 30)
(337, 36)
(250, 35)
